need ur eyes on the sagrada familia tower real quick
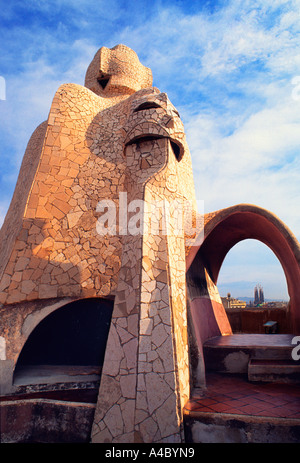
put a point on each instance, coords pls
(94, 223)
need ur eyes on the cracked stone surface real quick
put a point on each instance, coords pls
(116, 135)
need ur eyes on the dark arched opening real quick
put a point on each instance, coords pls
(69, 341)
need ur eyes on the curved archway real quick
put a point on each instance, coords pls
(227, 227)
(248, 264)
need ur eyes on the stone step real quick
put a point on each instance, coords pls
(231, 354)
(274, 371)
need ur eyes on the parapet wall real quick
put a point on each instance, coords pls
(45, 421)
(252, 320)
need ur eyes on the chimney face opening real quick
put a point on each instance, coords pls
(176, 150)
(147, 105)
(75, 334)
(103, 80)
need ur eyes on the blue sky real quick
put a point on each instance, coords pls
(232, 70)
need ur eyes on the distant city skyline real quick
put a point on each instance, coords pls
(251, 298)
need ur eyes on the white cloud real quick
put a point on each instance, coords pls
(202, 45)
(258, 163)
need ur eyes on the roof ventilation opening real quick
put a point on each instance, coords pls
(176, 150)
(103, 80)
(147, 105)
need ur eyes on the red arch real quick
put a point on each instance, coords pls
(229, 226)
